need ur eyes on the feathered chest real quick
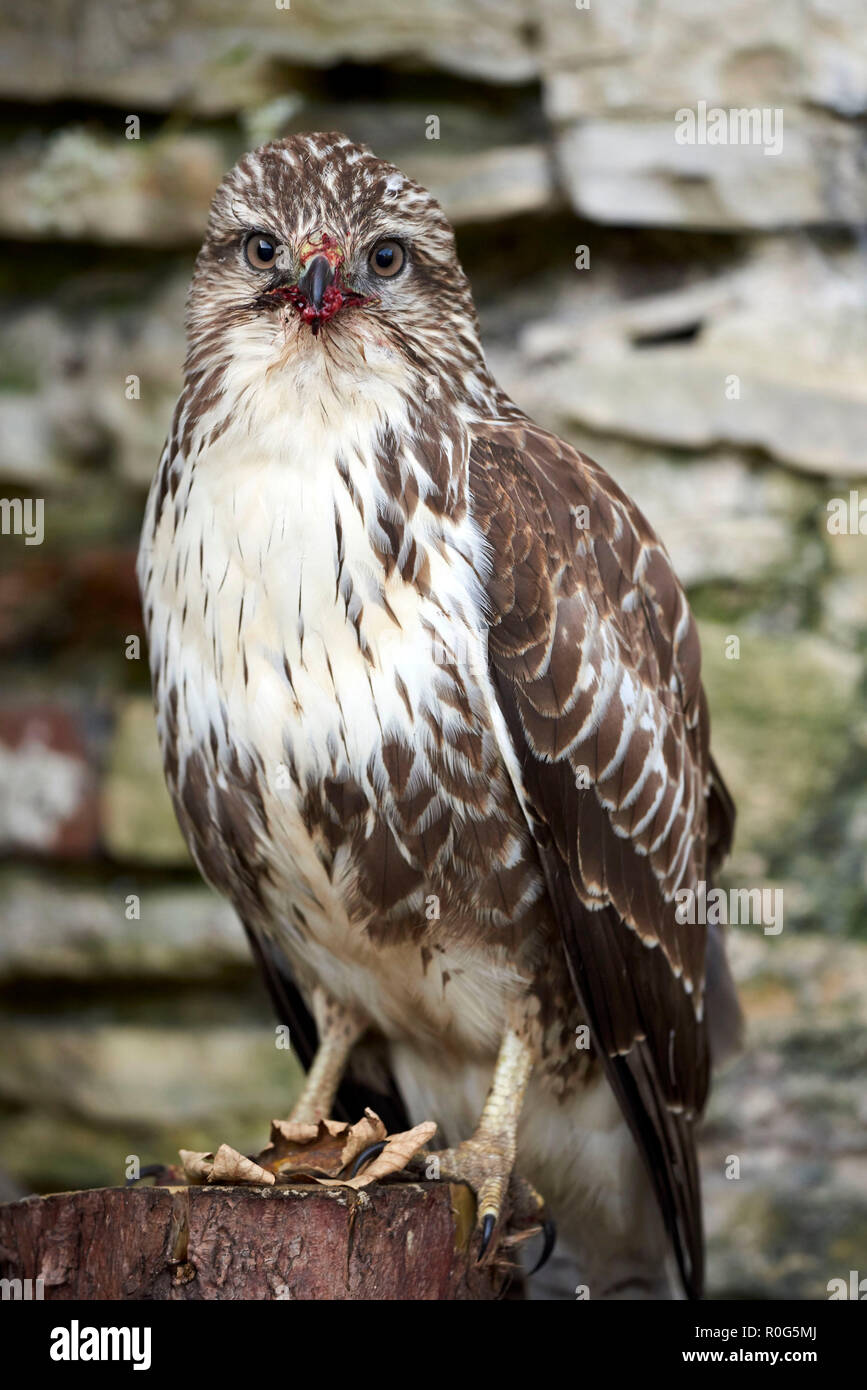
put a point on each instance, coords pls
(279, 604)
(320, 668)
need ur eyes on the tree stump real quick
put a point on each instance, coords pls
(397, 1240)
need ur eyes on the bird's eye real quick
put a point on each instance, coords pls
(260, 250)
(387, 259)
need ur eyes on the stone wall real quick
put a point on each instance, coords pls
(691, 314)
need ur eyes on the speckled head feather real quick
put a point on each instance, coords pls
(419, 328)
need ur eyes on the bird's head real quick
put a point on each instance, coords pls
(319, 257)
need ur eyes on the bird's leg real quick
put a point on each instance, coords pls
(487, 1159)
(339, 1029)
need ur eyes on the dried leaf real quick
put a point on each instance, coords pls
(290, 1132)
(230, 1166)
(369, 1130)
(197, 1166)
(297, 1152)
(397, 1153)
(311, 1153)
(335, 1127)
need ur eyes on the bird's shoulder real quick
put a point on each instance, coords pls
(568, 538)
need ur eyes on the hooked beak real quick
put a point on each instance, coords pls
(320, 273)
(320, 292)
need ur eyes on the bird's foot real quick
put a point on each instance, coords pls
(504, 1200)
(323, 1150)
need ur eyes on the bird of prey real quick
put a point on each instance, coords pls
(429, 699)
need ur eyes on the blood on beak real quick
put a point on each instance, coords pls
(321, 291)
(317, 277)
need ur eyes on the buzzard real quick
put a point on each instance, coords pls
(429, 699)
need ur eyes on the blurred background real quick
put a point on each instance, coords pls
(691, 315)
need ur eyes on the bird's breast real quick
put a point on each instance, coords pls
(277, 619)
(329, 723)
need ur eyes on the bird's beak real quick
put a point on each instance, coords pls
(320, 291)
(317, 277)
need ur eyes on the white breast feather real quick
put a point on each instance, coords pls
(261, 502)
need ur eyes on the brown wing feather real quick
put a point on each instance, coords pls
(596, 664)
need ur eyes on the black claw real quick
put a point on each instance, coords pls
(153, 1170)
(549, 1231)
(488, 1225)
(370, 1152)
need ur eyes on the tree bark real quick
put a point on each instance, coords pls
(397, 1240)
